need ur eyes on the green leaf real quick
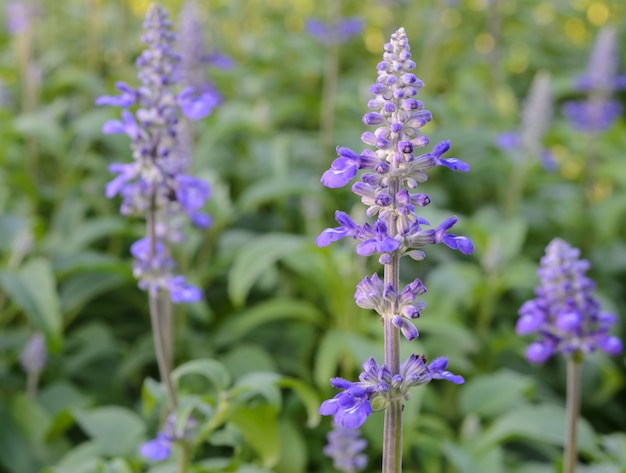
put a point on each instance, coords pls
(259, 427)
(33, 289)
(293, 449)
(212, 370)
(544, 423)
(277, 189)
(115, 430)
(255, 258)
(332, 348)
(246, 321)
(81, 288)
(256, 383)
(307, 395)
(494, 394)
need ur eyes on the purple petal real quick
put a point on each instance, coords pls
(539, 352)
(156, 450)
(329, 235)
(113, 127)
(181, 291)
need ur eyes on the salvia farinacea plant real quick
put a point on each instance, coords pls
(156, 185)
(569, 322)
(392, 170)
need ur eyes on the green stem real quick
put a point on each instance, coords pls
(329, 87)
(183, 457)
(32, 383)
(392, 434)
(573, 409)
(157, 317)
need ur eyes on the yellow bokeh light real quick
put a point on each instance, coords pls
(543, 14)
(451, 18)
(294, 24)
(599, 191)
(139, 7)
(571, 170)
(598, 13)
(560, 153)
(575, 30)
(374, 40)
(519, 55)
(484, 43)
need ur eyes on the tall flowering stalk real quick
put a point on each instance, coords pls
(156, 185)
(393, 170)
(331, 34)
(569, 321)
(597, 112)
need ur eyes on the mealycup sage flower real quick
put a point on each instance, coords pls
(155, 184)
(569, 322)
(564, 312)
(392, 172)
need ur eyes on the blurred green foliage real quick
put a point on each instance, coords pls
(279, 317)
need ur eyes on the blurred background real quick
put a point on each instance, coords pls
(507, 82)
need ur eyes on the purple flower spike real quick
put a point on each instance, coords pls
(393, 170)
(334, 33)
(345, 447)
(564, 312)
(156, 184)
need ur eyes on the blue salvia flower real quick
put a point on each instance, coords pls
(536, 115)
(392, 172)
(160, 447)
(377, 386)
(199, 95)
(564, 312)
(20, 15)
(156, 184)
(345, 447)
(599, 82)
(334, 33)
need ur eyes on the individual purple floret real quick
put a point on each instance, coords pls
(564, 311)
(599, 82)
(334, 33)
(345, 447)
(156, 184)
(160, 447)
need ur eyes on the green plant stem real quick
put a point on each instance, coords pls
(573, 409)
(157, 317)
(32, 384)
(329, 86)
(183, 457)
(392, 430)
(165, 308)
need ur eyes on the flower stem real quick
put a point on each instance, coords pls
(573, 409)
(392, 436)
(157, 317)
(329, 87)
(183, 457)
